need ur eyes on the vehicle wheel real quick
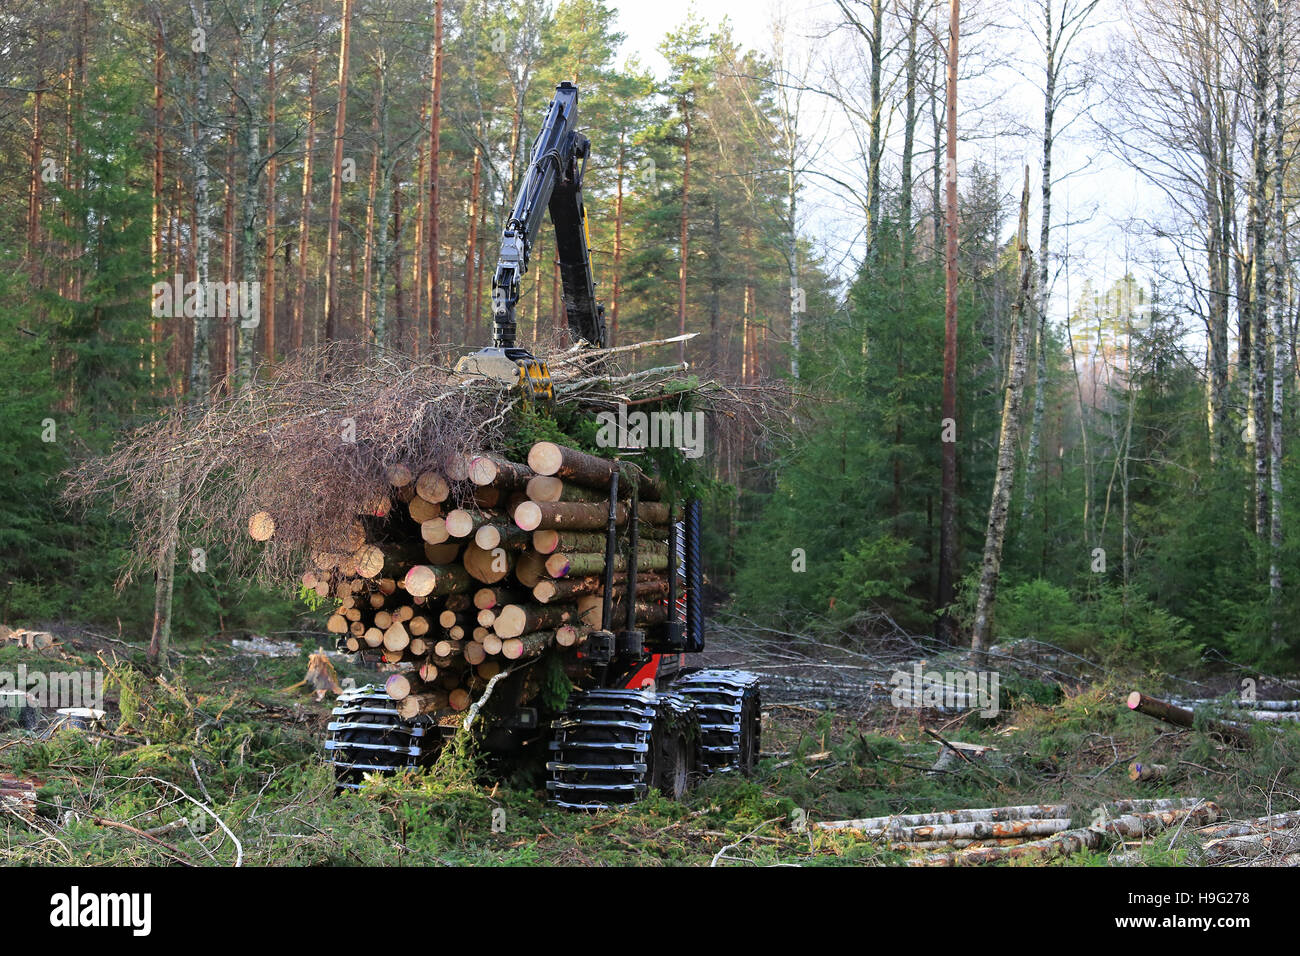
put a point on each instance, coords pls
(674, 765)
(751, 731)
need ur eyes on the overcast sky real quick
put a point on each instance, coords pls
(1091, 206)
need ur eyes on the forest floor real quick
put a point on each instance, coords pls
(222, 762)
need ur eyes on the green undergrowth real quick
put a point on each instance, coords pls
(224, 732)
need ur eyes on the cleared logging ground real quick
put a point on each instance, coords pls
(221, 765)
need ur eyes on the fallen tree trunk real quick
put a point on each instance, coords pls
(973, 830)
(1039, 811)
(1072, 841)
(1274, 822)
(1181, 717)
(1146, 772)
(1252, 845)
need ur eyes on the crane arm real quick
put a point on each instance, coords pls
(552, 181)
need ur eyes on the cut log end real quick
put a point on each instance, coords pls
(528, 515)
(545, 458)
(261, 526)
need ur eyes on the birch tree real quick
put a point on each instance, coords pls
(1004, 479)
(1060, 23)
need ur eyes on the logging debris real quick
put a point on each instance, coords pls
(287, 463)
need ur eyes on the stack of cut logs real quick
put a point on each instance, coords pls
(461, 572)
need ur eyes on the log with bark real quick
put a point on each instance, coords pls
(1041, 811)
(591, 612)
(501, 534)
(548, 458)
(1181, 717)
(498, 472)
(1130, 826)
(550, 488)
(515, 620)
(1146, 772)
(563, 564)
(414, 705)
(567, 515)
(574, 587)
(461, 523)
(424, 580)
(530, 645)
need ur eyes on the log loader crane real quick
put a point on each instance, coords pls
(553, 181)
(640, 718)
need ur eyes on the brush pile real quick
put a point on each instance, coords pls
(313, 442)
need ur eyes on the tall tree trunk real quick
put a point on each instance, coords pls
(155, 238)
(272, 170)
(200, 361)
(876, 145)
(368, 244)
(228, 323)
(336, 180)
(1222, 208)
(618, 238)
(471, 246)
(478, 261)
(380, 327)
(1260, 240)
(419, 300)
(1044, 244)
(909, 132)
(1005, 476)
(34, 179)
(435, 155)
(797, 297)
(683, 232)
(948, 477)
(715, 302)
(537, 297)
(245, 328)
(398, 298)
(304, 218)
(1279, 335)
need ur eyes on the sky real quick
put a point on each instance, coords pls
(1094, 205)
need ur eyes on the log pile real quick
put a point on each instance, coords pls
(482, 564)
(1129, 826)
(1036, 831)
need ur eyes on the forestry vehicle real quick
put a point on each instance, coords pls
(640, 718)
